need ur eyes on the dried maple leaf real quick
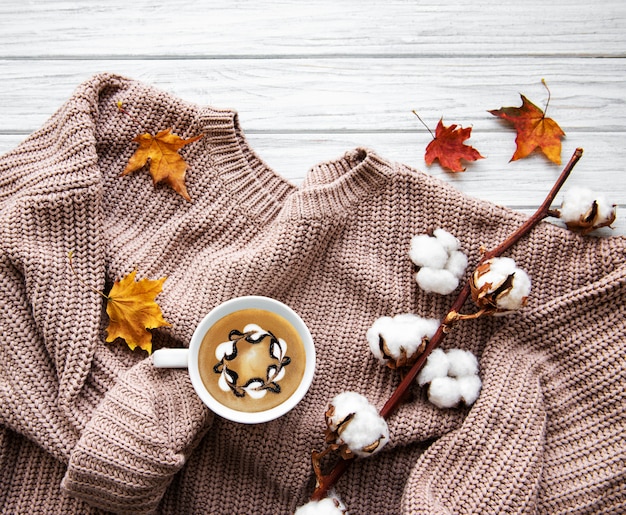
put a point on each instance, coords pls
(166, 164)
(447, 146)
(132, 310)
(534, 130)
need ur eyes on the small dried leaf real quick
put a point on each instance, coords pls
(534, 130)
(132, 310)
(449, 149)
(166, 165)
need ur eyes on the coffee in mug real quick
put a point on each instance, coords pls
(250, 360)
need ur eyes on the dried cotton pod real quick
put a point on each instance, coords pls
(398, 341)
(583, 210)
(499, 287)
(354, 426)
(441, 262)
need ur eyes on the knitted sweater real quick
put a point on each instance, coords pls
(87, 426)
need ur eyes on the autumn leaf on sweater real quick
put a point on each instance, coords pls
(166, 164)
(534, 130)
(131, 307)
(132, 310)
(447, 146)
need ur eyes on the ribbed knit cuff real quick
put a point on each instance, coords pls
(138, 438)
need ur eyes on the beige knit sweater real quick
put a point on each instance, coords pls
(87, 426)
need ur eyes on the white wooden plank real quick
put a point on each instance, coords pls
(521, 185)
(186, 28)
(342, 94)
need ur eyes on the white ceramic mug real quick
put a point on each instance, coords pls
(188, 358)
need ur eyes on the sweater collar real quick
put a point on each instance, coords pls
(331, 188)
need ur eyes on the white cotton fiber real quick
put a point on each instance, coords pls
(427, 251)
(437, 365)
(328, 506)
(435, 280)
(453, 378)
(345, 404)
(578, 201)
(516, 296)
(461, 363)
(469, 388)
(405, 331)
(444, 392)
(457, 263)
(447, 240)
(441, 262)
(499, 269)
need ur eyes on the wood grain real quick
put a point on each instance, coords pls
(313, 80)
(180, 29)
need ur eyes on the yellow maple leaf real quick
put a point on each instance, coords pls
(132, 310)
(166, 164)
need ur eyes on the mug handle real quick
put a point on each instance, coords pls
(170, 358)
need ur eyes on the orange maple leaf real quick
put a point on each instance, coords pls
(132, 310)
(534, 130)
(447, 146)
(166, 164)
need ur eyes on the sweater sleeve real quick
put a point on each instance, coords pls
(551, 441)
(138, 438)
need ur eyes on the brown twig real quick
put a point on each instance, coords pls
(325, 483)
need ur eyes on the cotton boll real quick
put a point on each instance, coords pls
(453, 377)
(395, 341)
(583, 210)
(449, 242)
(345, 404)
(441, 263)
(577, 200)
(498, 285)
(469, 388)
(437, 365)
(382, 327)
(355, 423)
(461, 363)
(427, 251)
(444, 392)
(328, 506)
(363, 431)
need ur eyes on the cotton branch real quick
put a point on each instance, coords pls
(325, 483)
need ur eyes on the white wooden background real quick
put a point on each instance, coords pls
(311, 80)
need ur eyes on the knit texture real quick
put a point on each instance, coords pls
(89, 427)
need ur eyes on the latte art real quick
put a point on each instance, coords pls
(251, 362)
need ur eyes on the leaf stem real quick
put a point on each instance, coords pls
(545, 110)
(70, 256)
(423, 123)
(122, 109)
(325, 483)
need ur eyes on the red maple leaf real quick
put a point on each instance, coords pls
(447, 146)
